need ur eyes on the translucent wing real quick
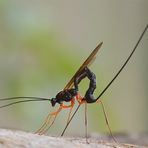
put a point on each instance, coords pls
(87, 62)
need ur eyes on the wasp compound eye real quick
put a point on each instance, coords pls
(53, 101)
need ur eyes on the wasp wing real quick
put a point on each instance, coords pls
(87, 62)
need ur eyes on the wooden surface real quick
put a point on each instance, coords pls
(20, 139)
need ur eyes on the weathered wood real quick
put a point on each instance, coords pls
(20, 139)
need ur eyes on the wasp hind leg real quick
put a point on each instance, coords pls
(106, 120)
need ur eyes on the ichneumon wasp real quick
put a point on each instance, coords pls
(71, 93)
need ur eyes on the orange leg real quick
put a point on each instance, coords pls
(45, 131)
(55, 113)
(48, 118)
(86, 135)
(42, 130)
(106, 119)
(71, 107)
(44, 127)
(69, 114)
(80, 99)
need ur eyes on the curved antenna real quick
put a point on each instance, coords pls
(9, 104)
(145, 29)
(29, 99)
(35, 98)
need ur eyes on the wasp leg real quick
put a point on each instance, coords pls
(80, 99)
(68, 106)
(45, 131)
(44, 127)
(69, 115)
(86, 135)
(71, 107)
(106, 119)
(47, 120)
(42, 130)
(55, 113)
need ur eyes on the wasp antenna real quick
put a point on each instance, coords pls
(22, 101)
(29, 99)
(22, 97)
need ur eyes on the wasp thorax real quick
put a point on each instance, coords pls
(65, 95)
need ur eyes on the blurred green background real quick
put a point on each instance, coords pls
(42, 44)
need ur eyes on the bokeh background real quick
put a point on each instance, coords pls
(42, 44)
